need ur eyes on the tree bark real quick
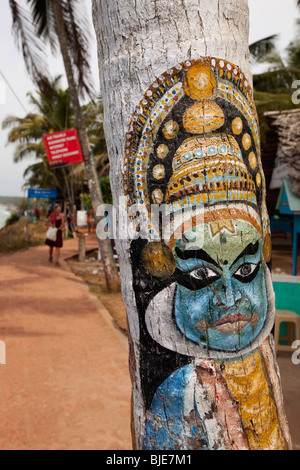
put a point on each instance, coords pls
(110, 270)
(69, 195)
(182, 131)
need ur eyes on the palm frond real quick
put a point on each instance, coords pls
(39, 175)
(278, 81)
(79, 40)
(23, 151)
(32, 47)
(43, 21)
(260, 50)
(30, 128)
(293, 53)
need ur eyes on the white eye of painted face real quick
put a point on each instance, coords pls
(246, 270)
(203, 273)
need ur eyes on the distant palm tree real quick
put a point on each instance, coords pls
(263, 49)
(281, 74)
(53, 112)
(40, 24)
(63, 23)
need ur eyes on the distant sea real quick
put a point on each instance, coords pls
(4, 214)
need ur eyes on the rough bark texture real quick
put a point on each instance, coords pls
(111, 274)
(182, 130)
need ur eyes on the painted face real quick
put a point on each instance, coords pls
(221, 297)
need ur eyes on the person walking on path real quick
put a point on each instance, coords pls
(56, 220)
(91, 220)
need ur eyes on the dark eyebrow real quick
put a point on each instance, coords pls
(195, 254)
(251, 249)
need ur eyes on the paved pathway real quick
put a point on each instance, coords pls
(66, 383)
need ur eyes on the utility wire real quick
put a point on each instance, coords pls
(13, 91)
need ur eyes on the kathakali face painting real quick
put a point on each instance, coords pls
(201, 348)
(194, 145)
(221, 298)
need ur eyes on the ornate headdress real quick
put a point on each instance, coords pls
(194, 143)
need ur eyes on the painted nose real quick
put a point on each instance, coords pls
(226, 293)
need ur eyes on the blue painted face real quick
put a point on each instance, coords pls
(221, 297)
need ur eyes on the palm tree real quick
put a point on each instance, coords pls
(281, 74)
(53, 113)
(62, 23)
(174, 397)
(261, 50)
(273, 88)
(93, 117)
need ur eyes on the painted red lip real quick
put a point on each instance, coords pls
(238, 317)
(230, 323)
(235, 323)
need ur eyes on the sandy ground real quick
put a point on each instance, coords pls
(66, 382)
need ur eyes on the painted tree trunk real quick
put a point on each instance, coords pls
(110, 270)
(182, 133)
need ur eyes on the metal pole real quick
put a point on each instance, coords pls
(82, 251)
(10, 238)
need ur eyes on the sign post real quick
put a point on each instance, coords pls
(63, 148)
(42, 193)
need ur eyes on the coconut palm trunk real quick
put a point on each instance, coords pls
(111, 273)
(183, 138)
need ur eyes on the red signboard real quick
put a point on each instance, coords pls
(63, 148)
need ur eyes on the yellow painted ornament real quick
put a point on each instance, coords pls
(158, 260)
(162, 151)
(252, 160)
(200, 82)
(247, 142)
(203, 118)
(171, 130)
(237, 126)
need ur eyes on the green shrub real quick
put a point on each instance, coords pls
(12, 219)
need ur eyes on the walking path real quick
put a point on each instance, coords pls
(66, 383)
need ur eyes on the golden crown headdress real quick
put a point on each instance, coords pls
(194, 140)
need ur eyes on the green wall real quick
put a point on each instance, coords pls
(287, 296)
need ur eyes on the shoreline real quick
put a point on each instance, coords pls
(5, 212)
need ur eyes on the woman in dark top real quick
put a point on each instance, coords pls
(57, 220)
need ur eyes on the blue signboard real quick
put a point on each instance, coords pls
(42, 193)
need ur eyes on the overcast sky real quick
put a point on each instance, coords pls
(267, 17)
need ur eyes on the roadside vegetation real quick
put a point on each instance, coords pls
(22, 235)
